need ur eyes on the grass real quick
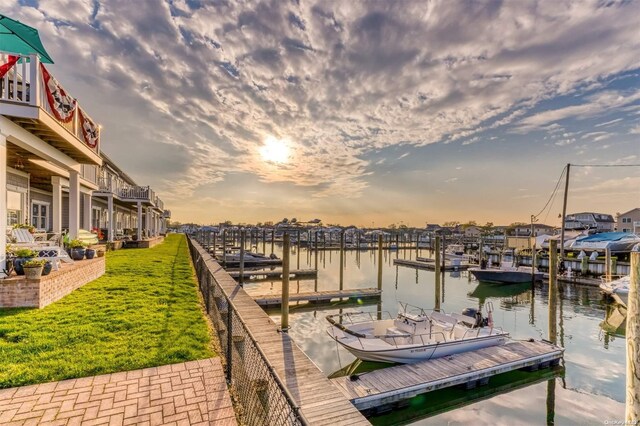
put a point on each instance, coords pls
(143, 312)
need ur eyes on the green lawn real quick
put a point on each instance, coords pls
(143, 312)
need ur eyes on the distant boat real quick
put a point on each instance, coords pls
(618, 289)
(249, 257)
(507, 273)
(414, 336)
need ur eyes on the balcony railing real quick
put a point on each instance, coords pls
(139, 193)
(24, 84)
(167, 214)
(159, 204)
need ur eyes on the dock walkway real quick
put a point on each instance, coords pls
(318, 296)
(431, 266)
(293, 274)
(317, 399)
(393, 384)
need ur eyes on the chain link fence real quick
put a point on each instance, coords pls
(261, 393)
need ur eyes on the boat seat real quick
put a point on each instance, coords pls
(443, 318)
(412, 317)
(464, 318)
(394, 336)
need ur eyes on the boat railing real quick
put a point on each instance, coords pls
(354, 317)
(408, 308)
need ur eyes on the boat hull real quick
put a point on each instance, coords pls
(504, 277)
(417, 353)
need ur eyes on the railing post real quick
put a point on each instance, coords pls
(229, 354)
(34, 78)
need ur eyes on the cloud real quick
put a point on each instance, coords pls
(194, 90)
(608, 123)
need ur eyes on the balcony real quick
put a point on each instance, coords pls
(166, 214)
(127, 192)
(25, 99)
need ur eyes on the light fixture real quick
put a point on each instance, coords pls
(19, 165)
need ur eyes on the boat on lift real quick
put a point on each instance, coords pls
(414, 334)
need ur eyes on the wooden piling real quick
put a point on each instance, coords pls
(243, 236)
(607, 263)
(379, 261)
(215, 243)
(224, 247)
(437, 273)
(341, 259)
(284, 323)
(553, 281)
(632, 411)
(298, 248)
(264, 240)
(273, 240)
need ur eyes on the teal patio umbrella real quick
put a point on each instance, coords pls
(16, 37)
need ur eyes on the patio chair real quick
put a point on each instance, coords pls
(49, 250)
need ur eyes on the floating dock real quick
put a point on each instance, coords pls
(295, 274)
(394, 384)
(431, 266)
(318, 296)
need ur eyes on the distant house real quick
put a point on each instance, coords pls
(538, 229)
(597, 222)
(432, 227)
(472, 231)
(629, 221)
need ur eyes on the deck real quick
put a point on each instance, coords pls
(393, 384)
(295, 274)
(431, 266)
(318, 296)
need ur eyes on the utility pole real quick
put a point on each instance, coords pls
(564, 213)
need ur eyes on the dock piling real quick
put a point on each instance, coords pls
(341, 259)
(437, 264)
(284, 323)
(607, 263)
(553, 281)
(243, 236)
(632, 411)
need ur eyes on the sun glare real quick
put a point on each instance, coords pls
(275, 150)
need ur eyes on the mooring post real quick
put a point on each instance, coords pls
(417, 245)
(379, 261)
(224, 248)
(264, 240)
(215, 237)
(341, 259)
(437, 272)
(243, 236)
(553, 292)
(607, 263)
(298, 248)
(273, 240)
(284, 323)
(632, 412)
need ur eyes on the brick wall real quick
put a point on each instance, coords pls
(20, 292)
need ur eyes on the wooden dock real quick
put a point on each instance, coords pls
(393, 384)
(318, 296)
(295, 274)
(248, 263)
(431, 266)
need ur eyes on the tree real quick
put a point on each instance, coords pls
(451, 224)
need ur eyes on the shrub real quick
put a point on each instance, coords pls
(25, 253)
(34, 263)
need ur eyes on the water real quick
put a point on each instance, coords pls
(590, 391)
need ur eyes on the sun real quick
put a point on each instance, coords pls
(275, 150)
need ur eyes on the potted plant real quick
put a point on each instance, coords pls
(90, 253)
(21, 256)
(77, 249)
(33, 268)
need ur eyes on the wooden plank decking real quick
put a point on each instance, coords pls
(319, 401)
(393, 384)
(318, 296)
(431, 266)
(294, 274)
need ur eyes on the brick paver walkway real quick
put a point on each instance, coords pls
(191, 393)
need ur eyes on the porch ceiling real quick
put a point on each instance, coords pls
(53, 138)
(40, 177)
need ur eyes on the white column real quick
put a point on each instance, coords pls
(3, 202)
(110, 228)
(147, 217)
(56, 208)
(139, 221)
(86, 219)
(74, 203)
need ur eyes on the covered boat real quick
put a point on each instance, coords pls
(414, 334)
(618, 289)
(507, 273)
(617, 242)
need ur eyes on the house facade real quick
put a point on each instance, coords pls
(629, 221)
(51, 164)
(597, 222)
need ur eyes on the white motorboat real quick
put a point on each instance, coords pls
(618, 289)
(415, 334)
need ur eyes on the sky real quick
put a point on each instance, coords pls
(358, 112)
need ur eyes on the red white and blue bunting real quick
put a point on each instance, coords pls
(90, 130)
(4, 68)
(62, 105)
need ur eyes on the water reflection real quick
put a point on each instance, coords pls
(591, 389)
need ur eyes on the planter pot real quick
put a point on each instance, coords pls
(46, 270)
(77, 253)
(100, 253)
(33, 273)
(17, 264)
(90, 253)
(9, 267)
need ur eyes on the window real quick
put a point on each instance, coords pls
(15, 202)
(626, 220)
(626, 230)
(95, 217)
(40, 215)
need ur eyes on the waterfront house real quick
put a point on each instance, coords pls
(629, 221)
(594, 222)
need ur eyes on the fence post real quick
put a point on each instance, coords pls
(229, 340)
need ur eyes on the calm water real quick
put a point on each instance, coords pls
(590, 391)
